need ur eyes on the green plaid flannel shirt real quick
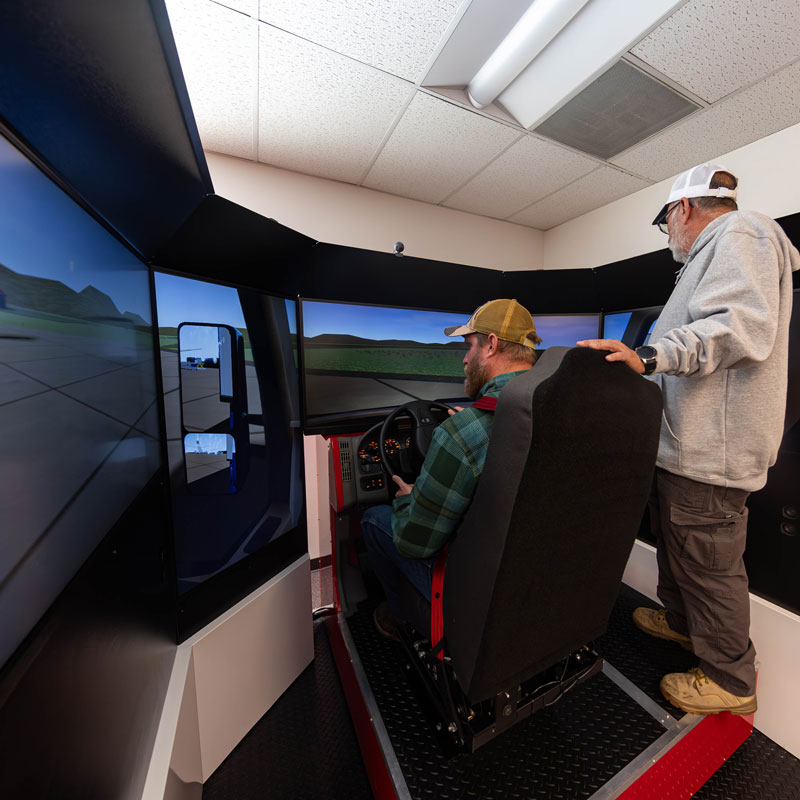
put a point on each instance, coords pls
(423, 521)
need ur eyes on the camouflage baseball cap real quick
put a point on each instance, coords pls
(506, 319)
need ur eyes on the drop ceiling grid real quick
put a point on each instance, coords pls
(435, 148)
(714, 47)
(327, 125)
(249, 7)
(591, 191)
(397, 36)
(217, 51)
(530, 169)
(767, 107)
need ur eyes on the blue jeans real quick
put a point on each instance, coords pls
(393, 570)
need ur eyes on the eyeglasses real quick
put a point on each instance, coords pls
(663, 226)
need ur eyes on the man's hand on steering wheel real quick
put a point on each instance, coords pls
(402, 487)
(424, 415)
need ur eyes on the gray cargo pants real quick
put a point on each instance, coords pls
(701, 531)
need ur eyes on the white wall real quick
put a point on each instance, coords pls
(769, 181)
(339, 213)
(318, 509)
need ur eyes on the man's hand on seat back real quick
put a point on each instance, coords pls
(619, 352)
(402, 486)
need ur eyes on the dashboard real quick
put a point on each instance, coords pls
(369, 450)
(371, 478)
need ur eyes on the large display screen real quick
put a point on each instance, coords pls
(359, 358)
(364, 358)
(231, 402)
(78, 419)
(563, 330)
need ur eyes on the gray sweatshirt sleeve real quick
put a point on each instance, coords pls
(733, 311)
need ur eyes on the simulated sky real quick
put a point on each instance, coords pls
(188, 300)
(44, 233)
(378, 322)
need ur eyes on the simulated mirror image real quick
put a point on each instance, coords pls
(231, 402)
(78, 417)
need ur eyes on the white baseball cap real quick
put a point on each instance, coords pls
(695, 183)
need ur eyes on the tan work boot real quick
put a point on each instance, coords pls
(655, 623)
(695, 692)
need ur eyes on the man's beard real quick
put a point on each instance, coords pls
(677, 246)
(476, 375)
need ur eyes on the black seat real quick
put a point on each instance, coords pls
(535, 567)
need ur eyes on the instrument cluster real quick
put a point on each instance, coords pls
(370, 453)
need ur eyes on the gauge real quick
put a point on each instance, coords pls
(407, 442)
(392, 446)
(369, 453)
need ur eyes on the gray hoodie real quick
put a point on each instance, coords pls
(722, 343)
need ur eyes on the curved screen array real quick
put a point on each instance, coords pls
(78, 419)
(366, 358)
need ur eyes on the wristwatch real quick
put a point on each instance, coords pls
(648, 356)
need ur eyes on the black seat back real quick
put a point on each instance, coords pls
(536, 565)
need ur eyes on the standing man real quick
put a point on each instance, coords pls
(719, 352)
(403, 539)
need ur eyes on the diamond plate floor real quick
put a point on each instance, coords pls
(305, 746)
(570, 750)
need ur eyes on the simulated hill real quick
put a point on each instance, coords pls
(346, 340)
(54, 297)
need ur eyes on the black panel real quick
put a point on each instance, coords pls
(554, 291)
(82, 697)
(364, 276)
(96, 91)
(227, 242)
(645, 280)
(773, 530)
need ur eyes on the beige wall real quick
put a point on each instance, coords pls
(338, 213)
(769, 175)
(329, 211)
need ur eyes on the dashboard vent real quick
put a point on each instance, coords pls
(345, 459)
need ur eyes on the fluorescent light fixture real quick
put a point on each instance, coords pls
(534, 31)
(591, 42)
(554, 50)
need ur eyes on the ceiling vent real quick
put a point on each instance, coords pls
(616, 111)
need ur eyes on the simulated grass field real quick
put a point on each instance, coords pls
(384, 358)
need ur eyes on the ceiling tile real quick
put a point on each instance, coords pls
(714, 47)
(602, 186)
(530, 169)
(320, 112)
(398, 36)
(767, 107)
(217, 50)
(435, 148)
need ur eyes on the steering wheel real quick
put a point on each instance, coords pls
(425, 416)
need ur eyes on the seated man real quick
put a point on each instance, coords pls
(403, 539)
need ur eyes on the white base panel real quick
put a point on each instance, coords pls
(776, 635)
(226, 677)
